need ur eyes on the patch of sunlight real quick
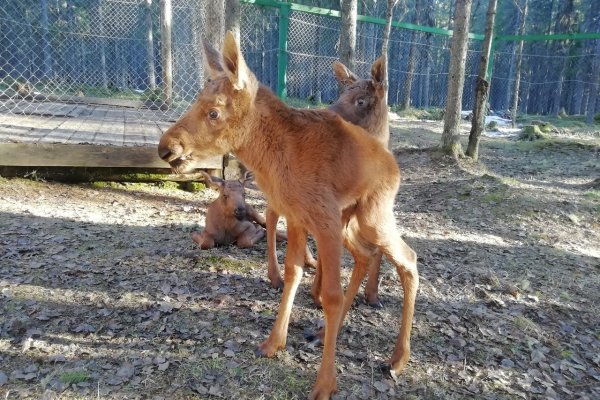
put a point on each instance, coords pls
(96, 216)
(72, 346)
(581, 249)
(476, 237)
(73, 297)
(550, 187)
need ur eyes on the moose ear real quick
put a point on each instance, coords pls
(212, 181)
(213, 61)
(248, 177)
(378, 71)
(234, 62)
(343, 75)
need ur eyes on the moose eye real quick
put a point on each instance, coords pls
(213, 114)
(360, 102)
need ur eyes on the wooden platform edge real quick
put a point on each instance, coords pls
(89, 155)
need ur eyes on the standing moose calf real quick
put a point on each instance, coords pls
(229, 218)
(362, 103)
(326, 176)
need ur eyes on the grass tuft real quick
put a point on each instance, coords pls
(74, 377)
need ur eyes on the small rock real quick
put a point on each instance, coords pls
(532, 298)
(508, 363)
(229, 353)
(537, 356)
(126, 371)
(381, 386)
(163, 366)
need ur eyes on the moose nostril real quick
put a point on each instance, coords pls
(164, 153)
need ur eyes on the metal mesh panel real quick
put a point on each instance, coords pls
(259, 32)
(76, 50)
(554, 75)
(313, 46)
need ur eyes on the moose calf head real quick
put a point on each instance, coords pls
(215, 123)
(362, 101)
(232, 194)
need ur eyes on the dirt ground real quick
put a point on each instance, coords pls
(104, 295)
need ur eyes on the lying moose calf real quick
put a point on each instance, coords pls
(229, 219)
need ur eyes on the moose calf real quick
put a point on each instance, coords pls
(325, 175)
(362, 103)
(229, 218)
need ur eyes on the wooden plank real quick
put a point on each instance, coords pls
(87, 130)
(135, 130)
(83, 155)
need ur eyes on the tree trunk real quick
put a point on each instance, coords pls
(594, 86)
(150, 69)
(515, 99)
(348, 32)
(46, 49)
(72, 59)
(483, 85)
(410, 73)
(166, 17)
(215, 23)
(121, 64)
(511, 64)
(450, 14)
(585, 68)
(103, 73)
(384, 44)
(232, 17)
(429, 19)
(412, 61)
(456, 79)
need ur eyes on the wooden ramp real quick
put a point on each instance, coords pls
(82, 135)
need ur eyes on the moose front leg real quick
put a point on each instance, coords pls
(293, 274)
(204, 240)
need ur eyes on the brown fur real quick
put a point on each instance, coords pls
(326, 176)
(362, 103)
(229, 219)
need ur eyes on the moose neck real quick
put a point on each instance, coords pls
(262, 133)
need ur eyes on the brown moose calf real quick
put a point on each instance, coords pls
(229, 218)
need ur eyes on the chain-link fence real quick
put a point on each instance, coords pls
(554, 75)
(110, 51)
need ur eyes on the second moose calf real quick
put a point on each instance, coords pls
(229, 218)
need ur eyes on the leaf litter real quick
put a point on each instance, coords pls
(108, 283)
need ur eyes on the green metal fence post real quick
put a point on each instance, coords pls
(282, 62)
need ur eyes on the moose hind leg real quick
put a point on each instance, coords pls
(377, 223)
(272, 263)
(405, 260)
(372, 285)
(250, 236)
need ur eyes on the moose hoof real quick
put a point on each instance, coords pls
(323, 389)
(317, 301)
(378, 305)
(373, 300)
(396, 366)
(277, 283)
(266, 349)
